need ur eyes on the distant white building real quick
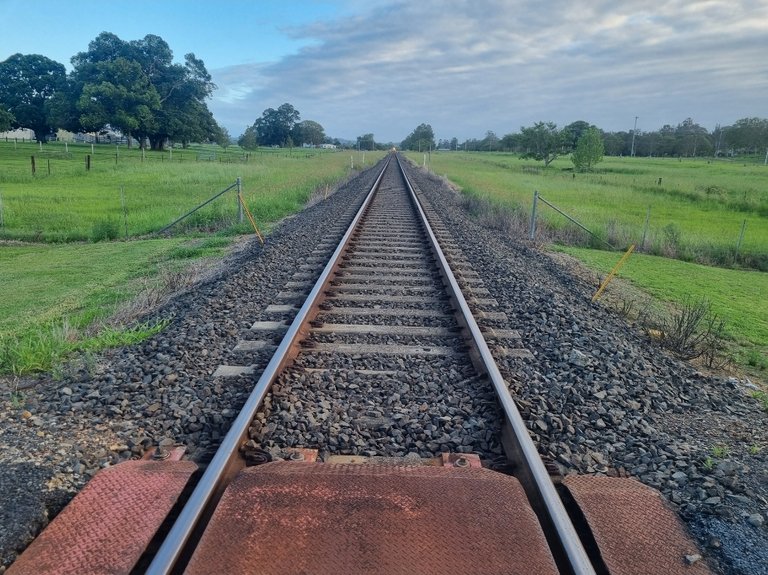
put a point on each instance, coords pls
(328, 146)
(18, 134)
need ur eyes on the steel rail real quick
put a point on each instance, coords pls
(226, 457)
(539, 487)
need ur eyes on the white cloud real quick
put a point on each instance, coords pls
(469, 66)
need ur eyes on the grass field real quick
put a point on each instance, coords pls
(125, 189)
(738, 296)
(697, 207)
(58, 288)
(696, 213)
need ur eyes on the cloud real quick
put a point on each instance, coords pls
(470, 66)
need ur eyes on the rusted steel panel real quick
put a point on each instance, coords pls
(292, 518)
(108, 525)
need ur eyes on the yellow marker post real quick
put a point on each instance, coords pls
(250, 217)
(615, 269)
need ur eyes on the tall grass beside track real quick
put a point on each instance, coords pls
(58, 288)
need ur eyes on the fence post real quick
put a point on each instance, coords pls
(645, 228)
(239, 200)
(88, 163)
(2, 220)
(532, 233)
(33, 165)
(741, 236)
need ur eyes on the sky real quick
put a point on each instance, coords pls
(462, 66)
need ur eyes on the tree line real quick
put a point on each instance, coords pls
(545, 141)
(131, 86)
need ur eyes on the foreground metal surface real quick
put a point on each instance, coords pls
(362, 519)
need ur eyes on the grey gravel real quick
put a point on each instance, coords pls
(597, 397)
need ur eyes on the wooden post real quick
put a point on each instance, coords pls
(88, 163)
(33, 165)
(2, 221)
(49, 166)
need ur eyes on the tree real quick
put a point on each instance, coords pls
(6, 119)
(308, 132)
(589, 150)
(249, 140)
(275, 126)
(124, 98)
(748, 134)
(542, 142)
(136, 87)
(422, 138)
(28, 83)
(365, 142)
(573, 132)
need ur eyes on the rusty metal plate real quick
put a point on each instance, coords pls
(108, 525)
(297, 518)
(636, 531)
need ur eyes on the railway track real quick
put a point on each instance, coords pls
(390, 330)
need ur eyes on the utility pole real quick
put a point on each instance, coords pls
(634, 131)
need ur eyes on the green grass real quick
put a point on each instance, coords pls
(72, 204)
(52, 293)
(57, 291)
(738, 296)
(697, 210)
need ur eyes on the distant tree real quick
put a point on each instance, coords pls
(6, 119)
(249, 140)
(222, 137)
(573, 132)
(542, 142)
(454, 143)
(692, 139)
(422, 138)
(510, 142)
(589, 150)
(490, 142)
(749, 135)
(308, 132)
(275, 126)
(28, 83)
(365, 142)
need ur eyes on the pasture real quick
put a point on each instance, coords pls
(697, 206)
(61, 279)
(697, 209)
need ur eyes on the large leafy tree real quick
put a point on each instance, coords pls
(589, 150)
(123, 98)
(308, 132)
(28, 84)
(422, 138)
(160, 100)
(275, 127)
(542, 142)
